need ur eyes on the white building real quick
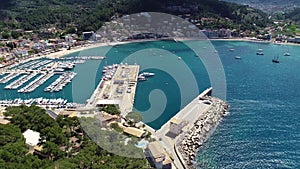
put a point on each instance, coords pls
(32, 137)
(176, 126)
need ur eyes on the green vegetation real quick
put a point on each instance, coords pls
(111, 140)
(111, 109)
(58, 150)
(116, 127)
(135, 116)
(294, 15)
(73, 16)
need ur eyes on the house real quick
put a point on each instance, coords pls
(88, 35)
(4, 49)
(105, 102)
(294, 40)
(176, 126)
(158, 158)
(106, 118)
(32, 137)
(134, 132)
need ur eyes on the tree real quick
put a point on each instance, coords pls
(15, 34)
(116, 127)
(10, 134)
(5, 35)
(111, 109)
(52, 150)
(135, 116)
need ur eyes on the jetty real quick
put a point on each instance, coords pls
(36, 83)
(117, 86)
(176, 135)
(9, 77)
(19, 82)
(61, 82)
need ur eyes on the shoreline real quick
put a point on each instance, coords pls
(65, 52)
(254, 41)
(95, 45)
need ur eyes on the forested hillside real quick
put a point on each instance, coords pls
(269, 6)
(294, 15)
(90, 14)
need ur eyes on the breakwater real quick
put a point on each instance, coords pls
(191, 141)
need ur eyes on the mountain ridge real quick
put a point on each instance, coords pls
(91, 14)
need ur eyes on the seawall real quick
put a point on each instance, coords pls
(189, 142)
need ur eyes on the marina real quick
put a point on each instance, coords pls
(81, 58)
(36, 83)
(46, 68)
(9, 77)
(61, 82)
(19, 82)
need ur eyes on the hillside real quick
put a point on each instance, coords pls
(90, 14)
(294, 15)
(269, 6)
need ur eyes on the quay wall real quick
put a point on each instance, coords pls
(190, 142)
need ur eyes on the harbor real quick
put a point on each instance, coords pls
(27, 76)
(242, 108)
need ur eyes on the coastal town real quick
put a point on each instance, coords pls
(174, 145)
(23, 44)
(42, 127)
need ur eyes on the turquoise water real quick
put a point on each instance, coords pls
(262, 129)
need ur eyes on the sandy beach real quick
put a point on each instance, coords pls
(90, 46)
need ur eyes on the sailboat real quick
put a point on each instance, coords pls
(275, 59)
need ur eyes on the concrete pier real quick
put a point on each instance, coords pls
(175, 129)
(119, 89)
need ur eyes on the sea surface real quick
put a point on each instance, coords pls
(262, 129)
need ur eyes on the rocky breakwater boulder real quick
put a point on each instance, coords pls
(202, 129)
